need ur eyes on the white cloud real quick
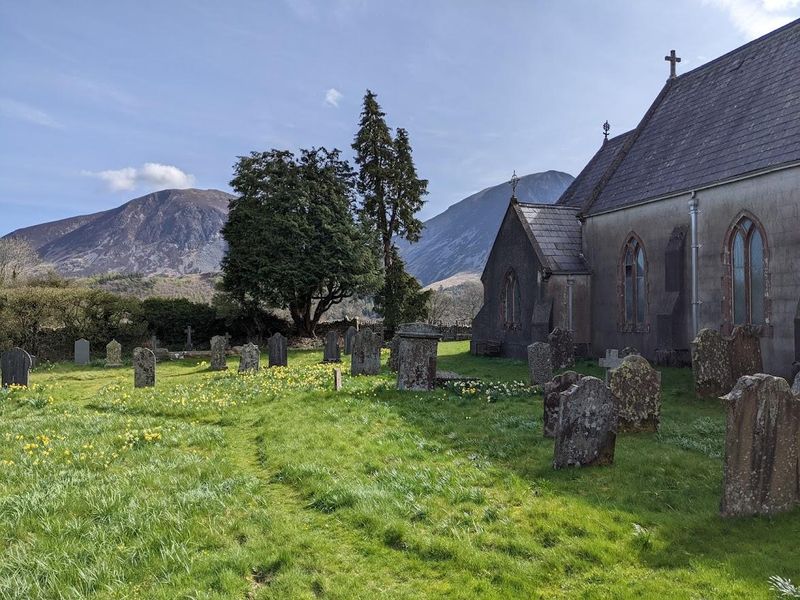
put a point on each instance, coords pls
(754, 18)
(332, 97)
(149, 176)
(20, 111)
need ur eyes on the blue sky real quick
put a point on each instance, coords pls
(101, 102)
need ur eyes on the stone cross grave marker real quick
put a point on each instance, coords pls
(218, 347)
(144, 368)
(189, 345)
(366, 359)
(611, 361)
(276, 347)
(82, 352)
(249, 358)
(113, 354)
(331, 352)
(349, 336)
(15, 365)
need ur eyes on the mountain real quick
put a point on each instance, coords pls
(171, 232)
(458, 240)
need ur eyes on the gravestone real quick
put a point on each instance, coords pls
(189, 346)
(636, 387)
(349, 336)
(144, 368)
(540, 366)
(627, 351)
(745, 349)
(276, 346)
(552, 399)
(761, 475)
(562, 348)
(394, 353)
(15, 365)
(416, 360)
(796, 384)
(711, 364)
(249, 358)
(587, 425)
(366, 359)
(337, 379)
(611, 361)
(113, 354)
(82, 352)
(219, 345)
(331, 353)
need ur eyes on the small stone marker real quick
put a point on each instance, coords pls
(761, 475)
(745, 349)
(611, 361)
(15, 364)
(349, 336)
(337, 379)
(189, 346)
(219, 345)
(636, 387)
(249, 358)
(587, 426)
(82, 352)
(276, 346)
(711, 364)
(366, 358)
(331, 353)
(144, 368)
(394, 353)
(562, 348)
(540, 366)
(113, 354)
(552, 399)
(416, 361)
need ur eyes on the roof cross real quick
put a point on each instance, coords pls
(673, 60)
(514, 181)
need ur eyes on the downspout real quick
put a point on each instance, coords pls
(570, 284)
(695, 253)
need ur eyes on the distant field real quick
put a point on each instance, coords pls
(216, 485)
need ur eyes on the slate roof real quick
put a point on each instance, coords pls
(735, 115)
(555, 233)
(582, 186)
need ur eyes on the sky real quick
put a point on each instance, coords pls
(102, 102)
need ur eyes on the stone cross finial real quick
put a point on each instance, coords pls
(673, 61)
(514, 182)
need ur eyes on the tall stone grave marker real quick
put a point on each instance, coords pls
(711, 364)
(337, 379)
(416, 361)
(540, 365)
(349, 336)
(82, 352)
(219, 345)
(562, 347)
(552, 399)
(249, 358)
(636, 387)
(144, 368)
(113, 354)
(366, 359)
(587, 425)
(331, 353)
(15, 365)
(276, 346)
(189, 346)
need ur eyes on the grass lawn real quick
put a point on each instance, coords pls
(216, 485)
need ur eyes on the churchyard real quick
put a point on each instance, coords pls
(271, 484)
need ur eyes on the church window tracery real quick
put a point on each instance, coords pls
(748, 272)
(634, 284)
(511, 301)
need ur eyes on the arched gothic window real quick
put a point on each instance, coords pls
(748, 271)
(510, 300)
(634, 283)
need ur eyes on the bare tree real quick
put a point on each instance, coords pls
(18, 260)
(440, 307)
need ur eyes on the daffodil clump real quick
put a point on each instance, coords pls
(34, 395)
(491, 391)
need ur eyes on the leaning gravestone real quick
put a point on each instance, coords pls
(349, 336)
(552, 399)
(249, 358)
(276, 346)
(82, 352)
(219, 344)
(331, 353)
(711, 364)
(587, 425)
(540, 366)
(144, 368)
(15, 364)
(366, 359)
(416, 360)
(562, 347)
(745, 349)
(394, 349)
(636, 387)
(761, 475)
(113, 354)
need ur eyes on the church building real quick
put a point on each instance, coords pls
(689, 221)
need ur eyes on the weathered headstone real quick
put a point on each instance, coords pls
(540, 366)
(636, 387)
(219, 345)
(15, 364)
(144, 368)
(189, 346)
(416, 361)
(394, 353)
(711, 365)
(366, 358)
(113, 354)
(745, 349)
(249, 358)
(349, 336)
(276, 346)
(796, 384)
(82, 352)
(337, 379)
(587, 425)
(761, 475)
(611, 361)
(331, 352)
(562, 348)
(552, 399)
(627, 351)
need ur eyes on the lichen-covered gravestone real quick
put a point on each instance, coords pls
(394, 353)
(276, 346)
(366, 359)
(540, 366)
(762, 472)
(219, 345)
(745, 349)
(587, 425)
(552, 399)
(82, 352)
(711, 365)
(15, 365)
(331, 353)
(562, 348)
(349, 337)
(249, 358)
(416, 361)
(636, 386)
(627, 351)
(113, 354)
(144, 368)
(796, 384)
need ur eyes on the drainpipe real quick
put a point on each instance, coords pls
(695, 252)
(570, 284)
